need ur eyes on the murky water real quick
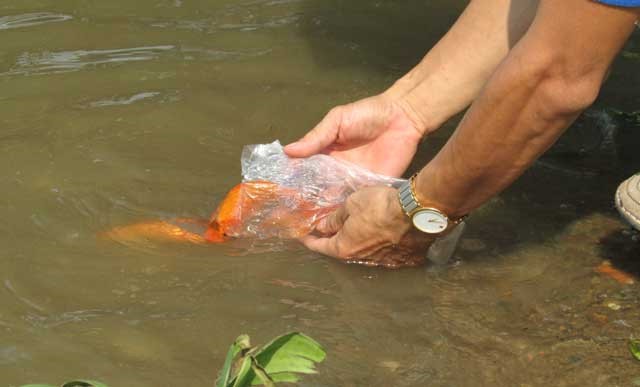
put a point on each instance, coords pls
(117, 111)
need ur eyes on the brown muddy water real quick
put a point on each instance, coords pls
(117, 111)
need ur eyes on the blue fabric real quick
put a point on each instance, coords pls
(622, 3)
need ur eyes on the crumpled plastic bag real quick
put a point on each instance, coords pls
(281, 197)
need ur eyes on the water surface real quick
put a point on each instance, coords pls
(119, 111)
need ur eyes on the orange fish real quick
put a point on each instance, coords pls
(159, 231)
(622, 277)
(258, 209)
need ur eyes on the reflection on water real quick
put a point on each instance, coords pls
(31, 19)
(116, 112)
(57, 62)
(66, 61)
(124, 101)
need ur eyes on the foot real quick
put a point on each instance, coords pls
(628, 200)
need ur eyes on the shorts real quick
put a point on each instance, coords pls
(621, 3)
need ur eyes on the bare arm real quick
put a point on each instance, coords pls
(454, 71)
(553, 73)
(382, 132)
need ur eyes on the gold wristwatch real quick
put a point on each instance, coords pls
(429, 220)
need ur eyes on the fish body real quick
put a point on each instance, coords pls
(177, 230)
(607, 269)
(258, 209)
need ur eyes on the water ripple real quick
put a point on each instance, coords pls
(124, 101)
(31, 19)
(191, 53)
(9, 286)
(78, 316)
(244, 24)
(47, 62)
(275, 22)
(65, 61)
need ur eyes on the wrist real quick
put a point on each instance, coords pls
(425, 216)
(433, 190)
(402, 86)
(405, 94)
(395, 211)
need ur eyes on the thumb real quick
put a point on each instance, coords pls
(318, 139)
(333, 222)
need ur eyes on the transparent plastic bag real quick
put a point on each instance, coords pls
(281, 197)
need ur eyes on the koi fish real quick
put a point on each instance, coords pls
(259, 209)
(608, 270)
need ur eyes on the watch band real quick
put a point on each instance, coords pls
(408, 200)
(411, 205)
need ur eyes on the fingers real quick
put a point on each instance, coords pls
(319, 138)
(346, 243)
(327, 246)
(333, 222)
(330, 225)
(390, 257)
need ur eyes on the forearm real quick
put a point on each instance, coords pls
(533, 96)
(504, 132)
(451, 75)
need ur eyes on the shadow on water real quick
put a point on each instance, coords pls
(621, 251)
(575, 179)
(572, 184)
(382, 35)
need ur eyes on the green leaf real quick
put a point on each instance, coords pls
(292, 352)
(84, 383)
(38, 385)
(287, 355)
(241, 343)
(261, 374)
(634, 347)
(284, 377)
(245, 374)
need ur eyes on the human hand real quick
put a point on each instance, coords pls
(370, 229)
(376, 133)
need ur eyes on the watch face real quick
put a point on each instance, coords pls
(430, 221)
